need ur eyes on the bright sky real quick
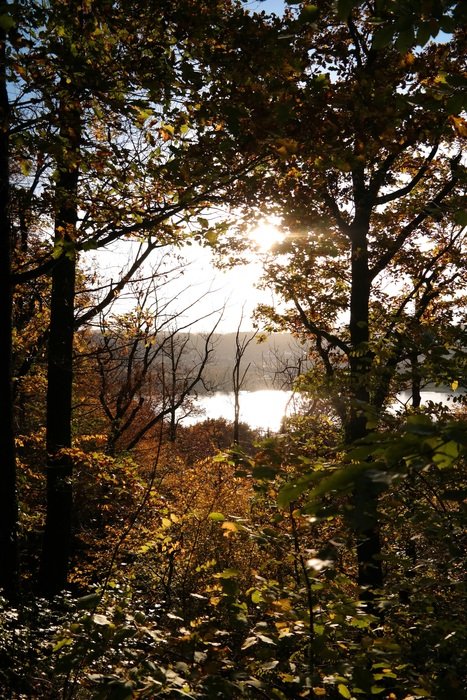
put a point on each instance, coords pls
(235, 288)
(276, 6)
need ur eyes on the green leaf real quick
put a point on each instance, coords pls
(290, 492)
(227, 573)
(341, 479)
(264, 472)
(256, 597)
(405, 40)
(383, 36)
(344, 8)
(229, 586)
(217, 517)
(87, 602)
(423, 33)
(26, 167)
(421, 691)
(62, 643)
(344, 691)
(309, 13)
(420, 425)
(446, 454)
(460, 217)
(7, 22)
(90, 245)
(211, 237)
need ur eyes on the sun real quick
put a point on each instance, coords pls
(266, 233)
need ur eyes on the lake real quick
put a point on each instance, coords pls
(265, 408)
(262, 409)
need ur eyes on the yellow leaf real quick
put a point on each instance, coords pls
(459, 124)
(282, 152)
(281, 625)
(286, 147)
(287, 677)
(454, 385)
(166, 132)
(408, 59)
(26, 167)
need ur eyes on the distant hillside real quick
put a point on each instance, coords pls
(270, 358)
(271, 361)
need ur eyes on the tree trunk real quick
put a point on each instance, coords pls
(365, 499)
(8, 497)
(238, 377)
(236, 423)
(57, 535)
(416, 379)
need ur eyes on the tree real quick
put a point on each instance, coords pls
(8, 498)
(123, 159)
(369, 181)
(147, 362)
(239, 375)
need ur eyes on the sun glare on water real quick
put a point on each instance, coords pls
(265, 234)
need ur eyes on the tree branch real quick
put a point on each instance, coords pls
(403, 191)
(428, 210)
(319, 332)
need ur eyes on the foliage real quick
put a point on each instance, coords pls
(262, 600)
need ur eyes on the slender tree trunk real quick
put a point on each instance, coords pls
(173, 426)
(174, 360)
(57, 535)
(238, 377)
(416, 379)
(8, 497)
(366, 520)
(236, 424)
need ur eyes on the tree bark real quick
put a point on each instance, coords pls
(365, 498)
(8, 497)
(416, 379)
(57, 535)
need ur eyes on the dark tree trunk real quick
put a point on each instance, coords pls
(173, 426)
(57, 535)
(8, 497)
(366, 520)
(416, 380)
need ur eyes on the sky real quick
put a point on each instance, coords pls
(269, 6)
(235, 289)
